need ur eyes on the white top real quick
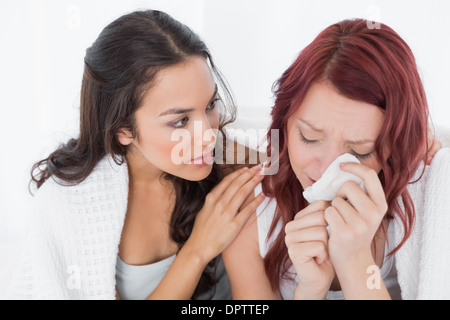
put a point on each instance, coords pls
(407, 275)
(137, 282)
(75, 234)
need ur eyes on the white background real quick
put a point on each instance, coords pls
(252, 41)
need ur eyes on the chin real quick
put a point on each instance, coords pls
(196, 173)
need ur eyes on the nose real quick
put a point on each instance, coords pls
(204, 137)
(328, 157)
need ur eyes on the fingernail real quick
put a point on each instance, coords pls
(256, 168)
(265, 166)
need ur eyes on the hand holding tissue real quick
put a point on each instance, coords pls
(332, 179)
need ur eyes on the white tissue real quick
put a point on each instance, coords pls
(332, 179)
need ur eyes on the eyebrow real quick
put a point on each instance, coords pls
(181, 111)
(360, 141)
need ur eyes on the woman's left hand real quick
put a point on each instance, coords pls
(353, 223)
(435, 146)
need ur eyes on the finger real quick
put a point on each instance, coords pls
(242, 217)
(241, 175)
(307, 235)
(224, 184)
(360, 209)
(307, 252)
(372, 183)
(360, 204)
(315, 219)
(334, 219)
(319, 205)
(233, 198)
(345, 209)
(435, 147)
(236, 186)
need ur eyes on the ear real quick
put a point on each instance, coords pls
(124, 137)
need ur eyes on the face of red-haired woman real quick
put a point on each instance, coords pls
(327, 125)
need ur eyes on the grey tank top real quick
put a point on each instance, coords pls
(138, 282)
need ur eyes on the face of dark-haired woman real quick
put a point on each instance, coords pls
(177, 122)
(327, 125)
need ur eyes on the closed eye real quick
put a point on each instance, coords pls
(359, 156)
(303, 139)
(362, 156)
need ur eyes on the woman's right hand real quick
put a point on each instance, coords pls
(307, 242)
(222, 218)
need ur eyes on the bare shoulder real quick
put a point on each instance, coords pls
(249, 233)
(244, 264)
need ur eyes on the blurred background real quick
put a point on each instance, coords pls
(43, 43)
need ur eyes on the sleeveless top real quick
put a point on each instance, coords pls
(265, 214)
(138, 282)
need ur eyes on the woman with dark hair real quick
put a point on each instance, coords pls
(353, 90)
(127, 205)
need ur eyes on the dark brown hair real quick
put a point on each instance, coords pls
(118, 69)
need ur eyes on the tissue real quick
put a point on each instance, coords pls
(332, 179)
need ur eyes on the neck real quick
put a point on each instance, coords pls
(142, 173)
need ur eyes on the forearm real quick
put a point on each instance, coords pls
(302, 294)
(361, 280)
(181, 278)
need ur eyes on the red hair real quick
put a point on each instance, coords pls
(365, 64)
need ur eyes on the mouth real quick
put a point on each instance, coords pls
(203, 160)
(312, 181)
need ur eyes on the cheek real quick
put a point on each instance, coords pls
(165, 148)
(158, 147)
(300, 159)
(295, 155)
(372, 163)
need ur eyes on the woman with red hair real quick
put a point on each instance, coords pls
(354, 90)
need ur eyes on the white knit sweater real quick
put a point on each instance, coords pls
(423, 263)
(75, 234)
(74, 237)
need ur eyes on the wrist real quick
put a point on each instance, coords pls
(194, 254)
(302, 293)
(353, 264)
(361, 279)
